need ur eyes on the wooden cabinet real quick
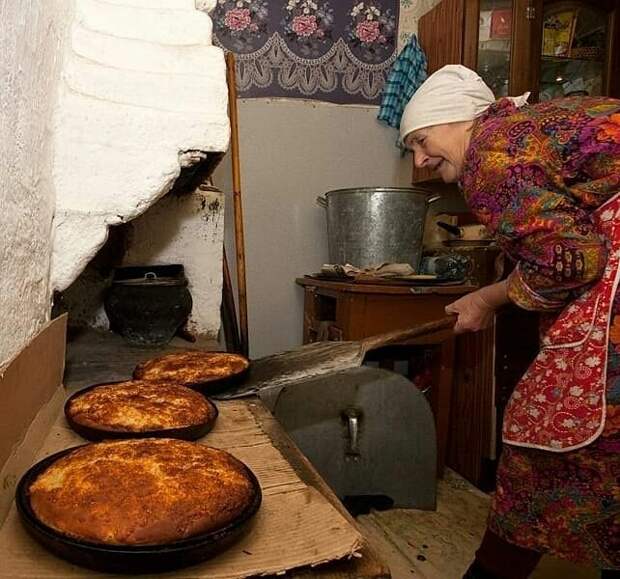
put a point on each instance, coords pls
(497, 38)
(550, 48)
(579, 50)
(353, 311)
(472, 375)
(462, 392)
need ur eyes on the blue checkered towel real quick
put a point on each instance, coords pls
(407, 74)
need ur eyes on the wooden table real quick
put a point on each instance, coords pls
(89, 359)
(340, 310)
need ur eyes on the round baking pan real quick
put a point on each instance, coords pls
(129, 558)
(191, 432)
(220, 384)
(215, 386)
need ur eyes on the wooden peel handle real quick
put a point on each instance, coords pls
(380, 340)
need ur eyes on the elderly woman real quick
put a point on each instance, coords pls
(545, 180)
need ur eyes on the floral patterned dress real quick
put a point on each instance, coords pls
(534, 176)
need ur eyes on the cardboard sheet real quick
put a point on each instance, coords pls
(295, 526)
(28, 385)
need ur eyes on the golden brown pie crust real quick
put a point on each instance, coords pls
(139, 492)
(139, 406)
(194, 367)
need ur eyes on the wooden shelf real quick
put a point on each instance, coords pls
(562, 59)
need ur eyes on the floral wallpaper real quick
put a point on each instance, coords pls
(333, 50)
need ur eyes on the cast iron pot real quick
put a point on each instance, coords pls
(148, 304)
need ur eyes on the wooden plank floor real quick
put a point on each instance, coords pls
(441, 544)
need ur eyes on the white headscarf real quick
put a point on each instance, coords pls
(452, 94)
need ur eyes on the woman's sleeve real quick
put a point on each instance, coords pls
(558, 251)
(554, 242)
(522, 187)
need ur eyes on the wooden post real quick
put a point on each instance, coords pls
(229, 312)
(237, 206)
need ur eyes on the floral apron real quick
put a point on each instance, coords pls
(558, 479)
(559, 404)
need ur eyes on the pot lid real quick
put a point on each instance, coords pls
(150, 278)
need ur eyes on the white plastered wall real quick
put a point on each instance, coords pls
(292, 151)
(141, 85)
(143, 94)
(31, 40)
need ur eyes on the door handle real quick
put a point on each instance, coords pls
(353, 416)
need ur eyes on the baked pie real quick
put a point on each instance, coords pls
(194, 368)
(134, 407)
(143, 492)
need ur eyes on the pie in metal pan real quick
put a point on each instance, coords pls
(207, 372)
(138, 506)
(139, 409)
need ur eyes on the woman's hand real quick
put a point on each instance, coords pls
(476, 310)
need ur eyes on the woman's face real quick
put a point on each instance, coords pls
(441, 148)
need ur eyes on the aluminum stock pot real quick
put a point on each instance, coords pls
(367, 226)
